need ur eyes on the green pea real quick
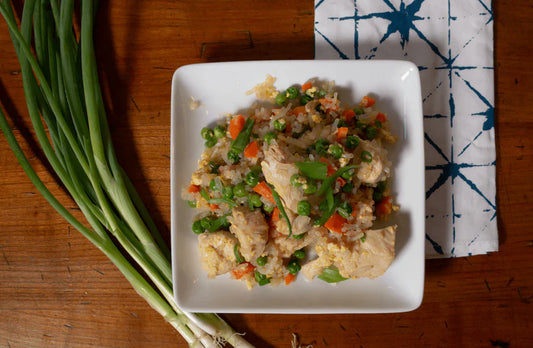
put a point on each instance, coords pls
(227, 192)
(321, 93)
(294, 267)
(335, 151)
(225, 223)
(352, 142)
(281, 99)
(192, 204)
(206, 222)
(310, 187)
(210, 142)
(371, 132)
(366, 157)
(207, 133)
(262, 260)
(197, 227)
(321, 146)
(219, 132)
(239, 190)
(255, 200)
(304, 208)
(292, 92)
(280, 124)
(345, 209)
(347, 187)
(234, 156)
(251, 179)
(299, 254)
(297, 180)
(269, 137)
(358, 111)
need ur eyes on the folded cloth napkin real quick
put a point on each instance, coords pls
(451, 42)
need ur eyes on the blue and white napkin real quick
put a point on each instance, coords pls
(452, 44)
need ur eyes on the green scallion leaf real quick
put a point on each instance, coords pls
(331, 179)
(282, 211)
(331, 275)
(314, 170)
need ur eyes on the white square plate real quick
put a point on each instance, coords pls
(221, 88)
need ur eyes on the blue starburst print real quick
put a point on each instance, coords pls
(451, 43)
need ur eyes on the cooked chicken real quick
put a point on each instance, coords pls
(216, 252)
(376, 170)
(287, 246)
(278, 169)
(251, 230)
(358, 259)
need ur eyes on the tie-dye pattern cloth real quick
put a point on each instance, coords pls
(452, 44)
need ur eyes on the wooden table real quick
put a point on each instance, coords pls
(57, 290)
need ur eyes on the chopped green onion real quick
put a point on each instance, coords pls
(321, 146)
(227, 192)
(239, 144)
(214, 167)
(379, 124)
(269, 136)
(327, 214)
(237, 253)
(305, 99)
(192, 204)
(314, 170)
(239, 190)
(347, 187)
(345, 210)
(331, 275)
(351, 142)
(280, 124)
(218, 223)
(251, 178)
(363, 238)
(366, 157)
(282, 211)
(331, 179)
(299, 236)
(358, 111)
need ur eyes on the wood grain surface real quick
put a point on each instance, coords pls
(57, 290)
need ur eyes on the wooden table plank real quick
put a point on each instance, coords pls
(56, 289)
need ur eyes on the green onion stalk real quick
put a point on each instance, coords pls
(67, 112)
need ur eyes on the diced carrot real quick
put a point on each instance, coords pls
(335, 223)
(348, 115)
(384, 207)
(289, 278)
(342, 132)
(367, 102)
(236, 125)
(381, 117)
(194, 188)
(288, 128)
(251, 150)
(328, 104)
(263, 189)
(306, 86)
(275, 214)
(213, 207)
(298, 110)
(240, 272)
(331, 170)
(355, 209)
